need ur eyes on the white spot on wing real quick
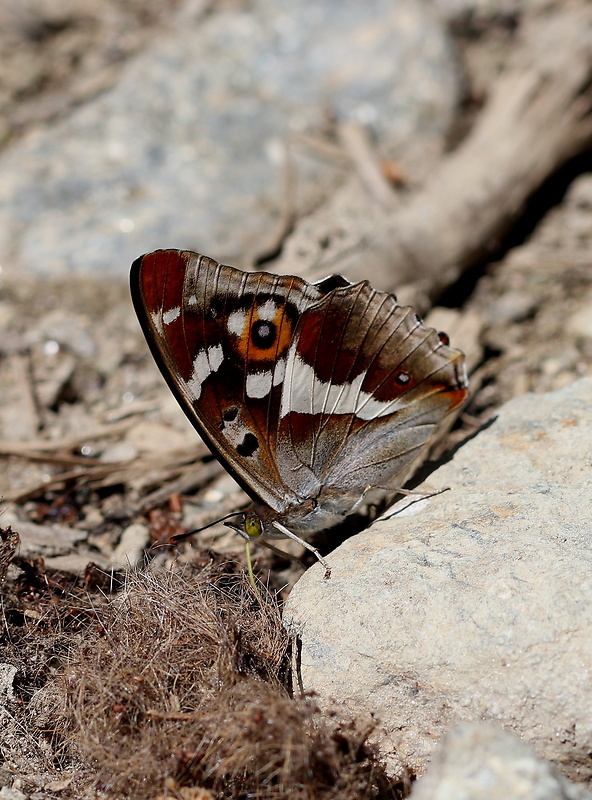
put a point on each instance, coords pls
(259, 383)
(304, 393)
(171, 315)
(267, 311)
(234, 433)
(157, 321)
(279, 371)
(236, 322)
(204, 363)
(216, 357)
(192, 300)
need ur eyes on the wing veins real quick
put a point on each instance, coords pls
(319, 428)
(322, 424)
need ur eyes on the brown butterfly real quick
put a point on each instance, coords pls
(315, 397)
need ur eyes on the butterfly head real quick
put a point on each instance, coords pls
(259, 522)
(248, 524)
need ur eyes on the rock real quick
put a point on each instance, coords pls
(7, 673)
(155, 438)
(19, 420)
(476, 604)
(67, 330)
(580, 323)
(132, 545)
(42, 540)
(77, 562)
(119, 452)
(480, 761)
(7, 793)
(195, 143)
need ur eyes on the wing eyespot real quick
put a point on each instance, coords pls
(403, 378)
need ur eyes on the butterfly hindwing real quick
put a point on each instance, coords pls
(366, 386)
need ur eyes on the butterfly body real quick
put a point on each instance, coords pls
(316, 397)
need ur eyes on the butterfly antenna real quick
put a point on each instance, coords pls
(180, 536)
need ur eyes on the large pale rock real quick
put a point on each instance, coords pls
(479, 606)
(480, 761)
(190, 148)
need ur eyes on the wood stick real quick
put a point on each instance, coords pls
(538, 115)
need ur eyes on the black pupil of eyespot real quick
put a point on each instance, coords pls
(263, 333)
(403, 378)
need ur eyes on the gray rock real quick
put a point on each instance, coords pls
(7, 674)
(44, 540)
(134, 541)
(189, 148)
(480, 761)
(479, 606)
(6, 793)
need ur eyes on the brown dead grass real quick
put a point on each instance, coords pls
(182, 684)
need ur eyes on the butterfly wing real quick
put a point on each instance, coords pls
(366, 387)
(221, 337)
(302, 391)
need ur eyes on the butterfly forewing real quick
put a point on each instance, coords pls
(220, 337)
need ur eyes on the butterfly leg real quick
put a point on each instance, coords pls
(362, 499)
(393, 491)
(283, 530)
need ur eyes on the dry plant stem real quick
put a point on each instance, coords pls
(57, 482)
(285, 223)
(47, 458)
(250, 571)
(71, 443)
(356, 142)
(193, 476)
(538, 115)
(95, 474)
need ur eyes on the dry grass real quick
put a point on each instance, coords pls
(182, 684)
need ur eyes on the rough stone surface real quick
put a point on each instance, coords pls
(46, 540)
(480, 761)
(189, 148)
(7, 673)
(478, 606)
(134, 541)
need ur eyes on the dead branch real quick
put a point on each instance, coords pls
(538, 115)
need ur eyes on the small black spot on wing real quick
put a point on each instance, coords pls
(248, 445)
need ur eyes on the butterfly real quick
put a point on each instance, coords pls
(316, 397)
